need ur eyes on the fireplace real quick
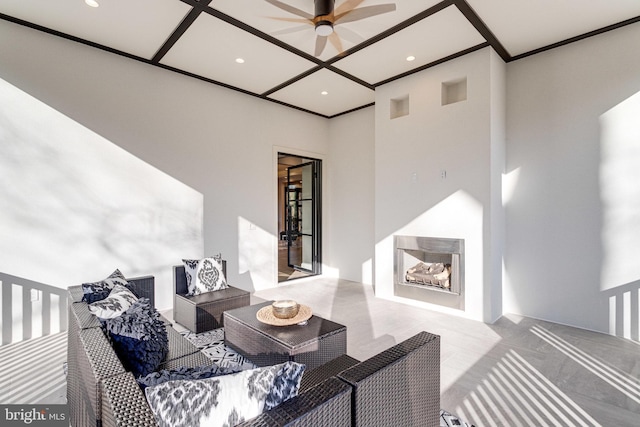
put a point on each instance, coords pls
(429, 269)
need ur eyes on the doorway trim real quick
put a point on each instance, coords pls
(275, 203)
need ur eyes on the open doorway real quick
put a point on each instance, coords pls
(299, 219)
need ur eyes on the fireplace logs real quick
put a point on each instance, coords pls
(429, 269)
(436, 274)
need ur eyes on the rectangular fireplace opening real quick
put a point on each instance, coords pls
(430, 269)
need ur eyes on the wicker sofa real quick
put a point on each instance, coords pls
(399, 386)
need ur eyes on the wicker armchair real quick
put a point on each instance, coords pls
(200, 313)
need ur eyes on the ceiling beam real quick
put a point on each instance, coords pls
(577, 38)
(481, 27)
(391, 31)
(198, 7)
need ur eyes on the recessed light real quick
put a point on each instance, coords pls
(92, 3)
(411, 58)
(240, 60)
(324, 92)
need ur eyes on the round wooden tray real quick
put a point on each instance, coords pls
(265, 315)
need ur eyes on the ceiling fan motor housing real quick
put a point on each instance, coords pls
(324, 10)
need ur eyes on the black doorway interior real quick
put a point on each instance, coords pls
(299, 219)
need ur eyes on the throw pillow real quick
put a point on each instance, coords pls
(96, 291)
(286, 384)
(119, 300)
(185, 373)
(139, 338)
(216, 402)
(204, 275)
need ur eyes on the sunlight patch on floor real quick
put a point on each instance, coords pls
(514, 393)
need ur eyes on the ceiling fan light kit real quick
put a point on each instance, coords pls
(324, 28)
(323, 17)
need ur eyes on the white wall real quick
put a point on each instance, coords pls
(351, 175)
(76, 207)
(215, 142)
(573, 160)
(412, 151)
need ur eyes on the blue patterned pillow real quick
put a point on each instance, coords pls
(139, 338)
(286, 384)
(184, 373)
(96, 291)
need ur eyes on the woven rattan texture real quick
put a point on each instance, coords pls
(209, 315)
(78, 411)
(96, 361)
(143, 287)
(124, 403)
(83, 317)
(400, 386)
(291, 336)
(268, 345)
(190, 361)
(313, 377)
(203, 312)
(75, 293)
(178, 346)
(327, 404)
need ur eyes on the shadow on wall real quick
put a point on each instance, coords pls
(78, 206)
(573, 220)
(620, 196)
(255, 255)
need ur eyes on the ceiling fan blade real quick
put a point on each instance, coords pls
(347, 6)
(321, 42)
(290, 9)
(298, 20)
(364, 12)
(349, 35)
(334, 38)
(290, 30)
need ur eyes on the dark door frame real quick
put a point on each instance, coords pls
(316, 228)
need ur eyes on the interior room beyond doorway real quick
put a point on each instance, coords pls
(299, 224)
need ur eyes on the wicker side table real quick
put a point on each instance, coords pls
(314, 344)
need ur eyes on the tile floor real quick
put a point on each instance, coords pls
(516, 372)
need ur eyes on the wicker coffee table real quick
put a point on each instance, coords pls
(313, 344)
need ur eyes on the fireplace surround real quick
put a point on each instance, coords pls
(429, 269)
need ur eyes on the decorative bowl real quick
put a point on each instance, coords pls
(285, 309)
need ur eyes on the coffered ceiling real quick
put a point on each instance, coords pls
(264, 49)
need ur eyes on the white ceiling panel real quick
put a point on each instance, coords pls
(437, 36)
(137, 27)
(342, 93)
(264, 17)
(210, 48)
(278, 46)
(525, 25)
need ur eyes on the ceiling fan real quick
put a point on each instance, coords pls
(327, 17)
